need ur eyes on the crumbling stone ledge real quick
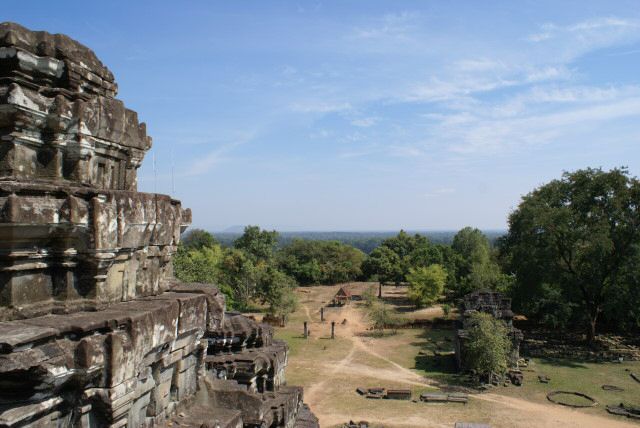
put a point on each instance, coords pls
(94, 329)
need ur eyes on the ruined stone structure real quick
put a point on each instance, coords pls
(490, 302)
(94, 329)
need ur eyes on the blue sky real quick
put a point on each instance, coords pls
(365, 115)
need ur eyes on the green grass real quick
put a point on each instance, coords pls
(587, 378)
(416, 350)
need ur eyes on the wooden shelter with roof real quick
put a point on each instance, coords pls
(342, 297)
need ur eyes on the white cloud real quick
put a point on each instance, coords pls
(311, 106)
(360, 153)
(609, 26)
(477, 103)
(459, 87)
(497, 132)
(479, 64)
(559, 72)
(215, 157)
(390, 26)
(442, 90)
(603, 22)
(570, 41)
(364, 122)
(405, 151)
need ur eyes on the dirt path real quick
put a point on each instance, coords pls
(311, 394)
(547, 415)
(306, 311)
(356, 326)
(503, 411)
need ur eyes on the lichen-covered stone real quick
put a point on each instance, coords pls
(94, 329)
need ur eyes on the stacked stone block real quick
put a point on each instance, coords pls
(94, 329)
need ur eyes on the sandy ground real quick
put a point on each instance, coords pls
(329, 382)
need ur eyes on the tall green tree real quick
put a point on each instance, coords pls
(426, 284)
(241, 275)
(276, 289)
(198, 238)
(488, 346)
(404, 244)
(394, 257)
(577, 235)
(321, 262)
(383, 263)
(257, 243)
(473, 247)
(475, 264)
(202, 265)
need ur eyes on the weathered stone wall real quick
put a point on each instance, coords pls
(94, 330)
(59, 119)
(66, 249)
(128, 365)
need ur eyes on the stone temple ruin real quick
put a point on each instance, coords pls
(491, 302)
(94, 329)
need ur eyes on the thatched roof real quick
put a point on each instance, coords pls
(343, 292)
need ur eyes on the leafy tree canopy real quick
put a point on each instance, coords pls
(275, 288)
(202, 265)
(257, 243)
(198, 238)
(383, 263)
(487, 347)
(475, 264)
(472, 246)
(404, 244)
(321, 262)
(426, 284)
(573, 241)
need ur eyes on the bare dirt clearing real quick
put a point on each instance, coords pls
(331, 370)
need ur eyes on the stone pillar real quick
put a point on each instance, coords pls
(322, 314)
(306, 331)
(333, 329)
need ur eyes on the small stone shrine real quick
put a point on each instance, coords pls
(490, 302)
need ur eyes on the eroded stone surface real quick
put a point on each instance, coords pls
(94, 329)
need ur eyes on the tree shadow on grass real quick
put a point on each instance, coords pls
(436, 361)
(398, 299)
(377, 334)
(578, 363)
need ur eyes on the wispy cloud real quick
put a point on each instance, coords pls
(543, 104)
(500, 130)
(364, 122)
(215, 157)
(312, 106)
(611, 26)
(464, 82)
(397, 26)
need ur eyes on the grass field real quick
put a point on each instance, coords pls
(331, 370)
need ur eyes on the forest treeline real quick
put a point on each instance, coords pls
(570, 259)
(364, 241)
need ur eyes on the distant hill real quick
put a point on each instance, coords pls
(237, 229)
(365, 241)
